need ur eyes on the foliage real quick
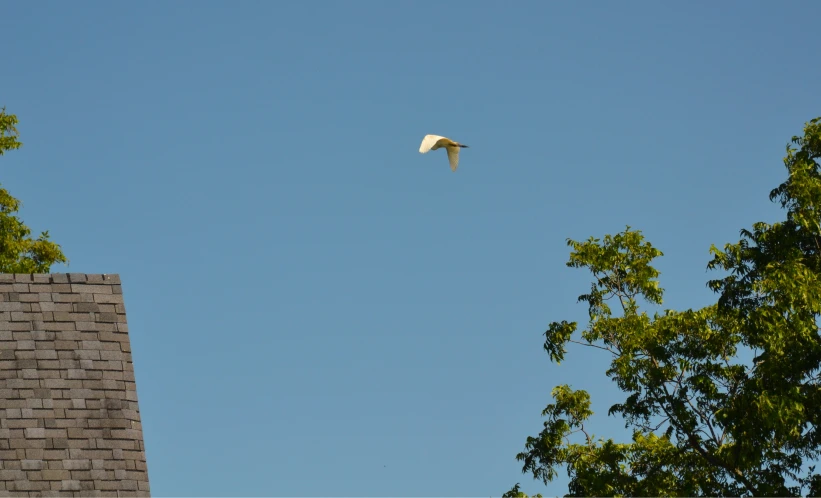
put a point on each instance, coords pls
(8, 132)
(19, 253)
(515, 493)
(704, 420)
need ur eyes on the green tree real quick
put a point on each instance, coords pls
(19, 253)
(723, 400)
(8, 132)
(516, 493)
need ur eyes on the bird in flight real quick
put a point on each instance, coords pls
(433, 142)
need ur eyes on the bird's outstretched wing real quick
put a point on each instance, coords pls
(453, 157)
(428, 142)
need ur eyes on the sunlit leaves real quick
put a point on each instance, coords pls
(724, 400)
(8, 132)
(556, 337)
(19, 253)
(621, 265)
(515, 492)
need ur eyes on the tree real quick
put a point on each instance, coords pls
(516, 493)
(19, 253)
(8, 132)
(723, 400)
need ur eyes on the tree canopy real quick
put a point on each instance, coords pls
(8, 132)
(19, 253)
(722, 400)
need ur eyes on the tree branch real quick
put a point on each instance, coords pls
(693, 442)
(589, 345)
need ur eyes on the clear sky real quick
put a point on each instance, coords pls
(316, 308)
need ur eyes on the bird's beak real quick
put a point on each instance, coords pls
(465, 146)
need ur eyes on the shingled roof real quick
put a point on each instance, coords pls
(69, 418)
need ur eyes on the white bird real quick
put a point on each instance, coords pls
(433, 142)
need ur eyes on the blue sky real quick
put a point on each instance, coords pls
(316, 309)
